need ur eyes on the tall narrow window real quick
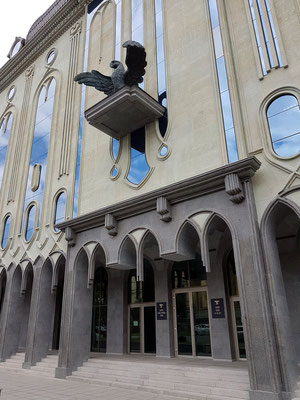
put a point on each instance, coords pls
(161, 65)
(40, 144)
(228, 122)
(138, 163)
(5, 234)
(92, 9)
(284, 123)
(5, 128)
(139, 167)
(30, 223)
(267, 39)
(60, 209)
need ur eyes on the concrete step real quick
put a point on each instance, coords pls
(156, 390)
(181, 380)
(169, 366)
(46, 367)
(183, 373)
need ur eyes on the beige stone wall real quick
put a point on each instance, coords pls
(45, 240)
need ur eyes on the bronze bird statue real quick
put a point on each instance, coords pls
(136, 63)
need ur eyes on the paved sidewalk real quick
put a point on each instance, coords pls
(24, 386)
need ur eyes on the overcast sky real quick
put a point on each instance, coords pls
(17, 16)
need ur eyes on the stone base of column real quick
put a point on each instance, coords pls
(261, 395)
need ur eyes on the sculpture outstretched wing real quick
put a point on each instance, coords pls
(136, 63)
(97, 80)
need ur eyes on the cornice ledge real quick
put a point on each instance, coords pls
(196, 186)
(57, 25)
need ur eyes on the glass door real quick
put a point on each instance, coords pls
(238, 328)
(142, 330)
(192, 331)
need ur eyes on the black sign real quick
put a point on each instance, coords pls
(217, 308)
(161, 309)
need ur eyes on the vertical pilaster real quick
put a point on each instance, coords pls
(21, 133)
(64, 167)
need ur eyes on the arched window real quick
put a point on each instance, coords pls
(141, 292)
(30, 223)
(40, 145)
(5, 128)
(60, 209)
(5, 234)
(284, 123)
(190, 273)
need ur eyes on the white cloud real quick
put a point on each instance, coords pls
(16, 19)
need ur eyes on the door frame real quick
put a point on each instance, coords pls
(141, 306)
(190, 290)
(234, 328)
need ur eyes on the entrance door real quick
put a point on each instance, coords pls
(99, 318)
(142, 338)
(238, 330)
(191, 316)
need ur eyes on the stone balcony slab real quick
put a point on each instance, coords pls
(125, 111)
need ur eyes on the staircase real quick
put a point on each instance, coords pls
(46, 367)
(14, 363)
(202, 380)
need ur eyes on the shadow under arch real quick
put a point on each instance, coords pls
(3, 281)
(15, 325)
(280, 228)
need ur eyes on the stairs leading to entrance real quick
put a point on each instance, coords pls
(46, 367)
(14, 363)
(195, 379)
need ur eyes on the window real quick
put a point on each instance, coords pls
(139, 167)
(267, 39)
(40, 145)
(60, 209)
(141, 292)
(161, 69)
(5, 128)
(228, 122)
(190, 273)
(30, 223)
(283, 115)
(5, 234)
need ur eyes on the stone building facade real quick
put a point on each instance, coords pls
(181, 238)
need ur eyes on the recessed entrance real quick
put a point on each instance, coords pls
(191, 310)
(99, 319)
(141, 296)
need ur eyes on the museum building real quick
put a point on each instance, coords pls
(168, 225)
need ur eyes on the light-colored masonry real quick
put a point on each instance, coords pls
(214, 186)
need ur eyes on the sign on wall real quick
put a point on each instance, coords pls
(217, 308)
(161, 309)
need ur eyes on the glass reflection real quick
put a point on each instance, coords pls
(92, 9)
(284, 123)
(139, 167)
(184, 336)
(118, 29)
(99, 318)
(60, 209)
(201, 324)
(5, 234)
(5, 129)
(137, 24)
(114, 172)
(190, 273)
(115, 148)
(40, 143)
(161, 67)
(265, 33)
(30, 222)
(230, 138)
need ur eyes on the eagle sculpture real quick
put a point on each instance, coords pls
(136, 63)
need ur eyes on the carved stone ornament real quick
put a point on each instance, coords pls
(70, 236)
(136, 63)
(111, 225)
(164, 209)
(234, 188)
(29, 72)
(76, 28)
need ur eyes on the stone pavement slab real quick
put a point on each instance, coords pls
(24, 386)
